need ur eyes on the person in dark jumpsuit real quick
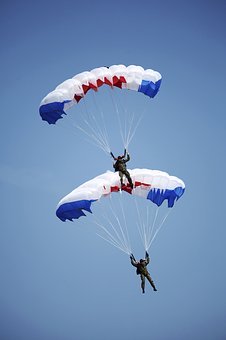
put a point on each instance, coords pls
(120, 166)
(142, 271)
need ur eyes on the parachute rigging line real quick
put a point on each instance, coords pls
(130, 126)
(118, 238)
(158, 229)
(94, 130)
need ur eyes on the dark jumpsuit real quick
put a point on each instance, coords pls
(120, 166)
(143, 272)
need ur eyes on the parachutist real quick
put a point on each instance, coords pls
(120, 166)
(142, 271)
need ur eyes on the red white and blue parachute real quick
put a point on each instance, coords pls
(153, 185)
(71, 91)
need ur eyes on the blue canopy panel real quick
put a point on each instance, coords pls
(74, 210)
(53, 111)
(149, 88)
(158, 196)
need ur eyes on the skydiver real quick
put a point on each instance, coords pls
(120, 166)
(142, 271)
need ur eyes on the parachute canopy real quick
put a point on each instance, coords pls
(71, 91)
(154, 185)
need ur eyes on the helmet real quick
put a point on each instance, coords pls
(141, 260)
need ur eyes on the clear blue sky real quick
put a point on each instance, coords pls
(60, 281)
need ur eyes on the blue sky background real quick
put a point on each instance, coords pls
(60, 281)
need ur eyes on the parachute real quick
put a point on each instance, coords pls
(154, 185)
(71, 91)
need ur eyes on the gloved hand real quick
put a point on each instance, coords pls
(132, 257)
(146, 254)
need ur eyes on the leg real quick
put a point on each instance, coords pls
(151, 282)
(121, 178)
(142, 283)
(129, 178)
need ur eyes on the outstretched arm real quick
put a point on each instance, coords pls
(113, 156)
(133, 260)
(147, 258)
(128, 158)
